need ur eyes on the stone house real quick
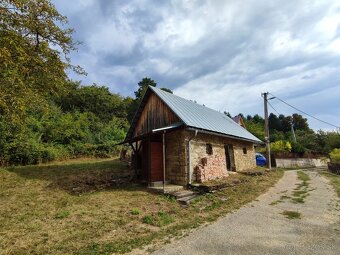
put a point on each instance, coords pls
(179, 141)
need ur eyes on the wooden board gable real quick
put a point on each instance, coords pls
(155, 114)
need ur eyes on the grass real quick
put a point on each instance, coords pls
(301, 191)
(334, 180)
(292, 214)
(72, 208)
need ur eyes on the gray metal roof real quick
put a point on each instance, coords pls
(201, 117)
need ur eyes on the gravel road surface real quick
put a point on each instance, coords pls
(261, 228)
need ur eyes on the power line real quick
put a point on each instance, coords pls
(273, 108)
(337, 127)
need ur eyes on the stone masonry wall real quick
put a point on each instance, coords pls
(203, 166)
(207, 167)
(176, 159)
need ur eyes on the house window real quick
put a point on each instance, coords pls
(209, 149)
(244, 150)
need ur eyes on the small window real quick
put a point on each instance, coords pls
(244, 150)
(209, 149)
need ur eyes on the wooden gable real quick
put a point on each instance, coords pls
(155, 114)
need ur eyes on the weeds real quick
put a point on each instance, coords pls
(62, 214)
(160, 219)
(135, 211)
(292, 214)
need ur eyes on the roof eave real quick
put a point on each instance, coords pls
(224, 135)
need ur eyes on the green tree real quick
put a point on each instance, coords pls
(96, 99)
(34, 48)
(167, 90)
(142, 87)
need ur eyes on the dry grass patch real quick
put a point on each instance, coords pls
(334, 180)
(41, 214)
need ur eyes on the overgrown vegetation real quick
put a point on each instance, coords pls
(71, 208)
(335, 156)
(292, 214)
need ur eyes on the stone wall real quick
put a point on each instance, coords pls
(207, 167)
(244, 161)
(176, 159)
(203, 166)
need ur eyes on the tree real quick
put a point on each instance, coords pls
(167, 90)
(274, 122)
(96, 99)
(227, 114)
(300, 122)
(34, 48)
(142, 87)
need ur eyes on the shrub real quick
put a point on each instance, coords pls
(62, 214)
(148, 219)
(281, 146)
(135, 211)
(335, 156)
(298, 148)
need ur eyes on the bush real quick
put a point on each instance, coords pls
(298, 148)
(280, 146)
(335, 156)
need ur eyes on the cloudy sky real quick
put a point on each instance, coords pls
(221, 53)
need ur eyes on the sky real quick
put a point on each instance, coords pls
(220, 53)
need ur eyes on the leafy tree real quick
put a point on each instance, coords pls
(300, 122)
(167, 90)
(256, 128)
(98, 100)
(34, 50)
(142, 87)
(274, 122)
(227, 114)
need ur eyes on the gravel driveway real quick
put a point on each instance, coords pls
(261, 228)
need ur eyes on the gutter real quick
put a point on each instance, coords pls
(189, 171)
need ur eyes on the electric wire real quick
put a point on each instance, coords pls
(273, 108)
(337, 127)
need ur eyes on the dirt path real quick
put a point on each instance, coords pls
(261, 228)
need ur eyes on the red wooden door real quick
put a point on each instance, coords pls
(156, 162)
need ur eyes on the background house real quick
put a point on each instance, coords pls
(179, 141)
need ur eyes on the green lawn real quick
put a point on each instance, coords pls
(71, 208)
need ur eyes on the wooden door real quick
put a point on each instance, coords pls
(229, 157)
(156, 162)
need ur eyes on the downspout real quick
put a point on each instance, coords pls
(163, 137)
(189, 146)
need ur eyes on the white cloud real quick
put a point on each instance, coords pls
(220, 53)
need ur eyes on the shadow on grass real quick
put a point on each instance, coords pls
(77, 178)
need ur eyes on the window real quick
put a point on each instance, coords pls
(209, 149)
(244, 150)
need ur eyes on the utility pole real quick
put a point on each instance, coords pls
(293, 132)
(266, 129)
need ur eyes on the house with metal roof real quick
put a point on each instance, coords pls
(179, 141)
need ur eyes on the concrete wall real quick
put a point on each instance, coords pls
(300, 162)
